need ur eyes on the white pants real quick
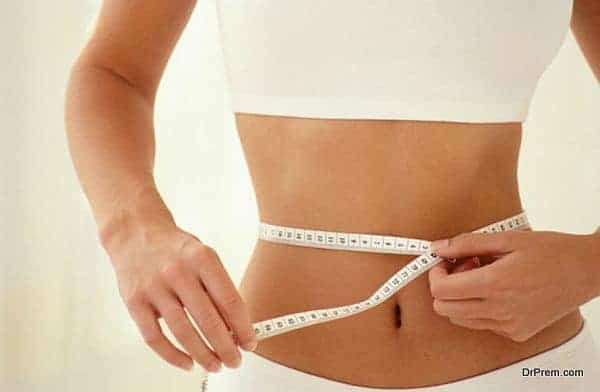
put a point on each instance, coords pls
(578, 353)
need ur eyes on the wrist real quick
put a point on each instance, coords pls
(594, 259)
(596, 235)
(144, 212)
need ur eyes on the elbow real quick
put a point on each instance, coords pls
(88, 75)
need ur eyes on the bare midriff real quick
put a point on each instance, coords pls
(420, 179)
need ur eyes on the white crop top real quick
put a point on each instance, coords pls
(441, 60)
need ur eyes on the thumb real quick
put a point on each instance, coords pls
(468, 264)
(475, 244)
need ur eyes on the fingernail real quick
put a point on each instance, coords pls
(439, 244)
(237, 362)
(214, 367)
(188, 365)
(250, 346)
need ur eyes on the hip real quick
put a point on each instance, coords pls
(405, 178)
(571, 366)
(390, 345)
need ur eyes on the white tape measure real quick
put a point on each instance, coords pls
(362, 243)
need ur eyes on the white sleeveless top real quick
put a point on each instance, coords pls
(438, 60)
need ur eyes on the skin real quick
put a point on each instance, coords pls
(161, 269)
(390, 173)
(519, 309)
(488, 297)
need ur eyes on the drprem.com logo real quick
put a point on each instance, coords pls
(539, 372)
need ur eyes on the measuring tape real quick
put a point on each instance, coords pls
(359, 242)
(362, 243)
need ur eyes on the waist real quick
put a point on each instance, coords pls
(404, 178)
(379, 175)
(379, 347)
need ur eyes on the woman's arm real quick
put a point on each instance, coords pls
(534, 279)
(160, 268)
(110, 104)
(585, 24)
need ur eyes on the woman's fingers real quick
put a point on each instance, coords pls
(222, 291)
(467, 264)
(472, 283)
(206, 316)
(469, 309)
(173, 313)
(499, 327)
(146, 319)
(480, 324)
(439, 271)
(477, 244)
(171, 272)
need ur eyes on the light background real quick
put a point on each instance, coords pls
(62, 324)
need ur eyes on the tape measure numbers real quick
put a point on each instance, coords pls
(362, 243)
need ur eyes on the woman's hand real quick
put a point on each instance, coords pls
(533, 279)
(163, 270)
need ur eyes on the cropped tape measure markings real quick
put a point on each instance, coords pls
(344, 241)
(363, 243)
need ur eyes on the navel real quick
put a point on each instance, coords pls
(398, 315)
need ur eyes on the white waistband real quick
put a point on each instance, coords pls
(580, 352)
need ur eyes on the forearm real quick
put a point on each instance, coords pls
(590, 262)
(585, 25)
(110, 133)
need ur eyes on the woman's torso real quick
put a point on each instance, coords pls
(421, 179)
